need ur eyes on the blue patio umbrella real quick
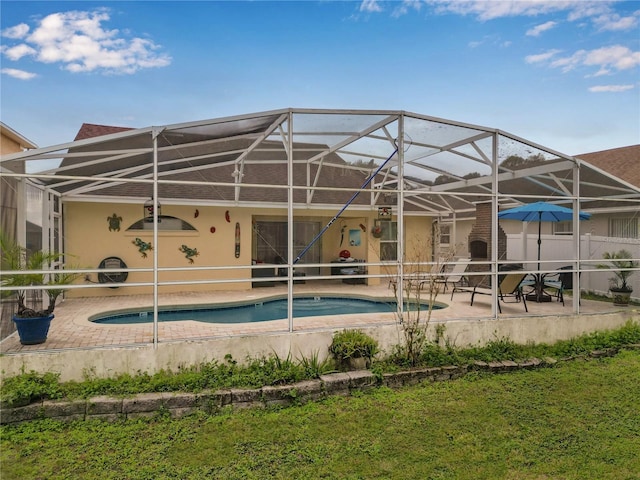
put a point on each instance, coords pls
(540, 212)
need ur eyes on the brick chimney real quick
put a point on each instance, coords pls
(480, 246)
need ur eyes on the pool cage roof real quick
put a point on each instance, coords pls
(432, 166)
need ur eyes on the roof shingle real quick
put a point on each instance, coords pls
(623, 162)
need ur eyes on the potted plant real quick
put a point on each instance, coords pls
(621, 264)
(28, 269)
(353, 349)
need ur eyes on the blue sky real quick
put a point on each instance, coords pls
(563, 74)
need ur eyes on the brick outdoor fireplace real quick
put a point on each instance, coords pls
(480, 247)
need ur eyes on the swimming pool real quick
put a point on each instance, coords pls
(255, 311)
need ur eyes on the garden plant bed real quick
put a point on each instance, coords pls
(210, 402)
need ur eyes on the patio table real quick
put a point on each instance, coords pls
(537, 284)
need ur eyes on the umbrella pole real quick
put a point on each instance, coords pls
(540, 295)
(539, 237)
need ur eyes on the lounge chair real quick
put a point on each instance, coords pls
(412, 281)
(510, 286)
(455, 276)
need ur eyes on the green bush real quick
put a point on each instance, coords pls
(22, 389)
(349, 344)
(273, 370)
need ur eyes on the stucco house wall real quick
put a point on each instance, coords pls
(89, 239)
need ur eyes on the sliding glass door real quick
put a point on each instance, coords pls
(270, 239)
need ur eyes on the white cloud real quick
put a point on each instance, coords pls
(371, 6)
(489, 10)
(78, 41)
(538, 29)
(19, 74)
(569, 63)
(598, 11)
(610, 88)
(614, 22)
(616, 56)
(607, 59)
(405, 6)
(541, 57)
(600, 73)
(19, 51)
(18, 31)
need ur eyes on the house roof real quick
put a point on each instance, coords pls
(15, 136)
(438, 167)
(91, 130)
(623, 162)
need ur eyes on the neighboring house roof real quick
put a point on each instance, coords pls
(90, 130)
(19, 139)
(623, 162)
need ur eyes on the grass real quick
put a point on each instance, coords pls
(578, 420)
(273, 370)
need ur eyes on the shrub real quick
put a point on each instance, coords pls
(349, 344)
(27, 387)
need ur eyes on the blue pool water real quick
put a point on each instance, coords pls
(261, 311)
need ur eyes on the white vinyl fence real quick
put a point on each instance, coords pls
(557, 251)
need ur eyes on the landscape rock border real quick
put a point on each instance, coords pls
(179, 404)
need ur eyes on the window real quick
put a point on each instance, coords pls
(165, 223)
(563, 228)
(388, 240)
(445, 234)
(624, 227)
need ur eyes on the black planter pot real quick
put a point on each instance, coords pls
(33, 330)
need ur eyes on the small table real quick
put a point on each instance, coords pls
(348, 269)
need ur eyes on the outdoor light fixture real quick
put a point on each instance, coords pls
(148, 210)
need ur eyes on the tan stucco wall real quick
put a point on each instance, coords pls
(109, 362)
(8, 145)
(88, 240)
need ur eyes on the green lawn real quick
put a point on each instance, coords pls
(579, 420)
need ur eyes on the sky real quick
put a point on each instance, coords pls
(563, 74)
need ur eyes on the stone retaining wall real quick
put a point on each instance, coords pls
(180, 404)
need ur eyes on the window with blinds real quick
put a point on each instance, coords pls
(563, 228)
(623, 227)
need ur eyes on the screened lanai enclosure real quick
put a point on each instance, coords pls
(301, 202)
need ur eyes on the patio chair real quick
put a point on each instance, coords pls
(510, 286)
(412, 281)
(455, 276)
(560, 281)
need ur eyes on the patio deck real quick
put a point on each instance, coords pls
(71, 328)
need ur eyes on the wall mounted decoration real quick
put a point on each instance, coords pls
(189, 253)
(196, 214)
(227, 217)
(354, 237)
(384, 212)
(237, 240)
(148, 210)
(112, 277)
(212, 229)
(362, 227)
(376, 231)
(114, 222)
(143, 247)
